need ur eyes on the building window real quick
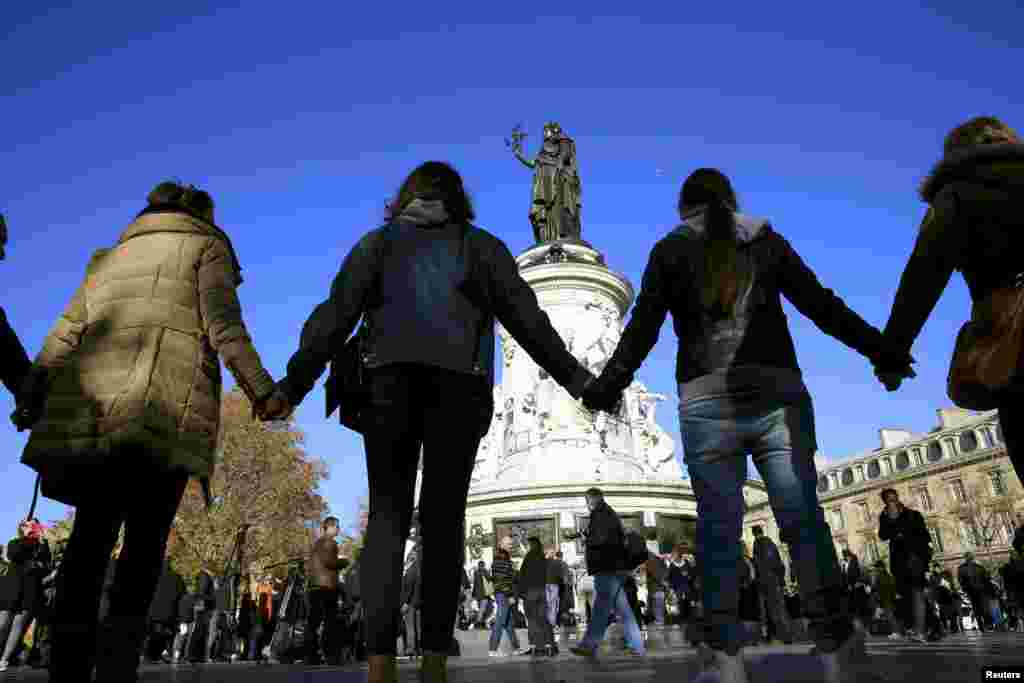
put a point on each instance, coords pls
(865, 513)
(822, 484)
(936, 539)
(1009, 528)
(902, 461)
(837, 519)
(847, 477)
(968, 442)
(924, 499)
(986, 438)
(873, 554)
(934, 451)
(887, 461)
(998, 482)
(957, 487)
(874, 469)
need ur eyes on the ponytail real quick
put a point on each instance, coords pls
(722, 276)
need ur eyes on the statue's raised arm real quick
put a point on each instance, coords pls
(516, 145)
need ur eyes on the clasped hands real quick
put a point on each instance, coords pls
(274, 407)
(598, 396)
(893, 378)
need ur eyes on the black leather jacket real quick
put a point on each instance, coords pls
(757, 334)
(441, 286)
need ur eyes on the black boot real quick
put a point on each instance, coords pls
(118, 649)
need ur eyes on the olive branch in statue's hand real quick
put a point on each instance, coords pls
(516, 143)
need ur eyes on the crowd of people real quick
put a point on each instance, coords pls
(127, 385)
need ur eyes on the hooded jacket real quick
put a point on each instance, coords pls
(974, 224)
(133, 360)
(424, 278)
(719, 356)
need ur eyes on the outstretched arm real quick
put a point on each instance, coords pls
(332, 322)
(644, 325)
(529, 163)
(931, 265)
(830, 313)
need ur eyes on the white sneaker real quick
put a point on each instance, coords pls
(895, 636)
(730, 668)
(845, 664)
(3, 665)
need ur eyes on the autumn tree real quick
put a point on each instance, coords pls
(263, 479)
(984, 517)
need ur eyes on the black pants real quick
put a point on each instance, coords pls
(538, 627)
(145, 501)
(414, 407)
(323, 609)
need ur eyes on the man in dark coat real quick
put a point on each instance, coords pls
(771, 579)
(606, 559)
(14, 362)
(910, 554)
(974, 579)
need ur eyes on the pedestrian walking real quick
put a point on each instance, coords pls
(723, 274)
(29, 560)
(974, 580)
(325, 563)
(974, 224)
(532, 586)
(910, 554)
(771, 579)
(483, 593)
(607, 564)
(431, 276)
(505, 589)
(105, 402)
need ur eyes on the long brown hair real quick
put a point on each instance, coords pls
(723, 275)
(434, 180)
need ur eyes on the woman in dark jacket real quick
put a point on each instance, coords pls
(722, 275)
(532, 587)
(974, 224)
(428, 286)
(29, 561)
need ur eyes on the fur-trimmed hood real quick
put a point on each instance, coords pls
(1001, 164)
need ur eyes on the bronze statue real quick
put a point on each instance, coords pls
(555, 207)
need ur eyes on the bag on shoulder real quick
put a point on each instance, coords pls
(636, 549)
(989, 352)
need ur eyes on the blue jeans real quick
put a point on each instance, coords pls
(658, 607)
(553, 595)
(609, 595)
(718, 432)
(503, 622)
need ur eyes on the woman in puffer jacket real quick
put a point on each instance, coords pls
(124, 405)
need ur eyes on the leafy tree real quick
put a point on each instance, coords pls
(263, 479)
(985, 519)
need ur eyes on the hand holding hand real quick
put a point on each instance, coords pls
(597, 397)
(893, 379)
(274, 408)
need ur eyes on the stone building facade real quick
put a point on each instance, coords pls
(958, 476)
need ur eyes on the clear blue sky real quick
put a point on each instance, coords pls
(302, 118)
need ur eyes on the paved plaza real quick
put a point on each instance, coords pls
(959, 658)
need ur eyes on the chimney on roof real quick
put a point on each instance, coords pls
(892, 438)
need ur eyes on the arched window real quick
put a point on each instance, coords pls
(934, 451)
(902, 461)
(874, 469)
(847, 477)
(822, 484)
(968, 442)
